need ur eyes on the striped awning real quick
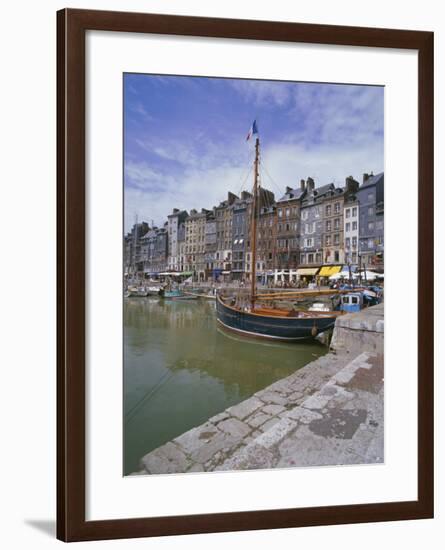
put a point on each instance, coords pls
(328, 270)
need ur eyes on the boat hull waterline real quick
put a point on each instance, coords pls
(273, 327)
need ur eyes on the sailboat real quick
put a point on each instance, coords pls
(252, 318)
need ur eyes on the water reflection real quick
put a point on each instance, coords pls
(180, 369)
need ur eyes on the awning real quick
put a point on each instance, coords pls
(307, 271)
(186, 273)
(328, 270)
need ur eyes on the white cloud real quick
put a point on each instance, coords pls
(154, 195)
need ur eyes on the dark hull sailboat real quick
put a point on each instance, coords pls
(273, 323)
(268, 322)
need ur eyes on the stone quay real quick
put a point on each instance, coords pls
(330, 412)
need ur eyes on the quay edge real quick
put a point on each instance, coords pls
(330, 412)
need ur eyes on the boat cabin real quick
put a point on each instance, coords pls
(351, 302)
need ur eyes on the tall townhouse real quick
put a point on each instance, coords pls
(174, 221)
(288, 228)
(370, 195)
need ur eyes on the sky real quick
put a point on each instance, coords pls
(185, 138)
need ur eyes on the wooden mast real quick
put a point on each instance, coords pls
(254, 218)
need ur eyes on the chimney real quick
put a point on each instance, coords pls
(231, 197)
(365, 178)
(175, 210)
(310, 184)
(288, 190)
(302, 185)
(245, 195)
(193, 212)
(351, 185)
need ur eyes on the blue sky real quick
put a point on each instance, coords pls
(185, 138)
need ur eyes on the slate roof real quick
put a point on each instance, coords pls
(372, 180)
(293, 194)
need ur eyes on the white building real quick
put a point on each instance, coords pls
(174, 221)
(351, 230)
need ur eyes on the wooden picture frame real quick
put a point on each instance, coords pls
(72, 25)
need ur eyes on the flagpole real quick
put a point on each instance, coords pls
(253, 233)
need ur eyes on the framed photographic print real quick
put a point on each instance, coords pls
(245, 309)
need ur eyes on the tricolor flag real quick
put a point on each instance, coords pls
(253, 130)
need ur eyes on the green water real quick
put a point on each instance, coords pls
(180, 369)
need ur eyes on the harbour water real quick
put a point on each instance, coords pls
(180, 369)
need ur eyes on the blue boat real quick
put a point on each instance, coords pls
(175, 294)
(273, 323)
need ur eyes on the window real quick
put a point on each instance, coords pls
(354, 257)
(336, 256)
(337, 239)
(310, 258)
(287, 212)
(328, 240)
(302, 258)
(370, 196)
(337, 223)
(318, 257)
(347, 242)
(328, 225)
(337, 207)
(348, 212)
(348, 226)
(371, 211)
(370, 226)
(370, 243)
(354, 242)
(308, 242)
(328, 210)
(354, 211)
(280, 213)
(354, 226)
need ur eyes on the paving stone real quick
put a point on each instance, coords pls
(273, 409)
(272, 397)
(267, 425)
(252, 457)
(219, 417)
(303, 415)
(234, 427)
(166, 460)
(316, 401)
(257, 419)
(219, 442)
(196, 437)
(245, 408)
(276, 433)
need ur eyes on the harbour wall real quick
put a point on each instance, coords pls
(330, 412)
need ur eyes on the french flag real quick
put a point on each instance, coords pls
(253, 130)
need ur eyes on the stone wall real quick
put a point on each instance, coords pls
(355, 333)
